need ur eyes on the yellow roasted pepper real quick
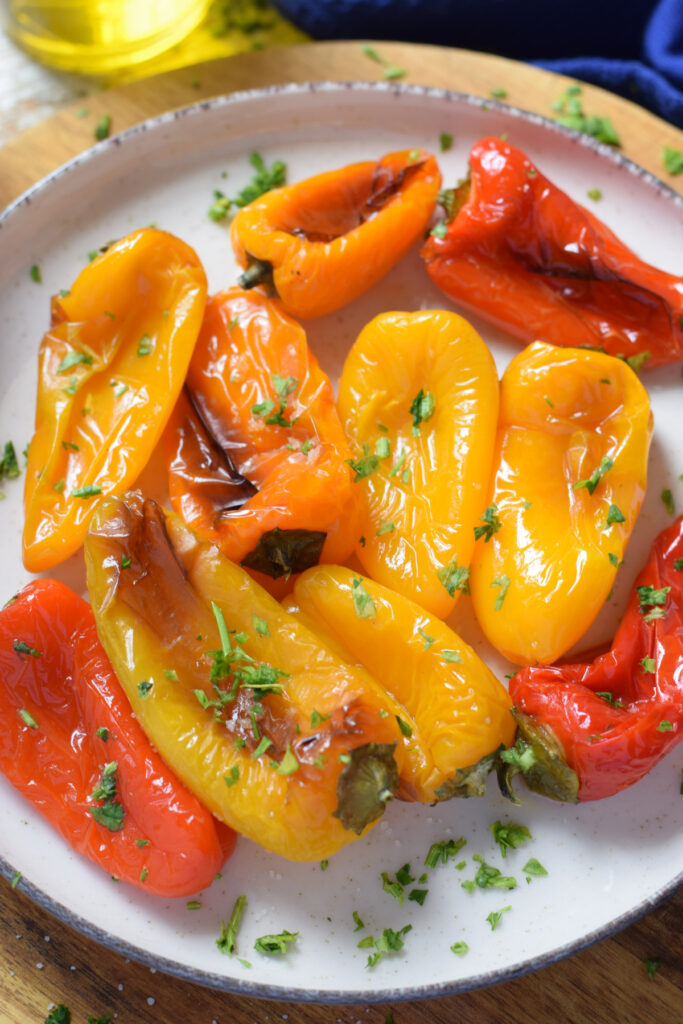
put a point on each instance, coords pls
(570, 474)
(454, 714)
(418, 399)
(109, 371)
(268, 728)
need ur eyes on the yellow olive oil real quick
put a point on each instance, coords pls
(97, 37)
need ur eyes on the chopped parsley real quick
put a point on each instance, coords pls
(144, 688)
(263, 745)
(16, 878)
(665, 726)
(388, 526)
(648, 665)
(145, 346)
(289, 764)
(608, 696)
(445, 141)
(492, 524)
(233, 776)
(405, 729)
(459, 948)
(440, 853)
(260, 625)
(9, 465)
(363, 605)
(390, 72)
(421, 409)
(27, 718)
(488, 877)
(594, 193)
(418, 896)
(668, 501)
(651, 602)
(21, 647)
(651, 966)
(103, 127)
(569, 112)
(59, 1015)
(678, 564)
(357, 921)
(427, 640)
(398, 465)
(614, 515)
(227, 940)
(383, 448)
(451, 657)
(102, 733)
(672, 160)
(454, 577)
(89, 491)
(74, 358)
(439, 230)
(275, 944)
(509, 835)
(394, 889)
(614, 560)
(109, 813)
(534, 868)
(594, 479)
(504, 583)
(365, 466)
(264, 179)
(35, 274)
(498, 93)
(494, 917)
(636, 362)
(389, 942)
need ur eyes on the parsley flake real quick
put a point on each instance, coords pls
(451, 657)
(103, 127)
(74, 358)
(109, 813)
(492, 524)
(428, 640)
(504, 583)
(440, 853)
(260, 625)
(405, 729)
(594, 479)
(509, 835)
(275, 944)
(672, 160)
(454, 577)
(668, 501)
(665, 726)
(232, 777)
(35, 274)
(27, 718)
(651, 602)
(534, 868)
(89, 491)
(459, 948)
(494, 917)
(651, 966)
(594, 193)
(363, 605)
(227, 940)
(145, 346)
(445, 141)
(21, 647)
(388, 526)
(422, 408)
(648, 664)
(144, 688)
(614, 515)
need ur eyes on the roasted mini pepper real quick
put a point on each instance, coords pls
(522, 254)
(277, 737)
(570, 473)
(454, 714)
(418, 398)
(256, 454)
(324, 241)
(70, 744)
(589, 730)
(109, 371)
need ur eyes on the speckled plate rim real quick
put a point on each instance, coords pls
(210, 979)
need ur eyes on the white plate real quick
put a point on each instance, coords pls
(606, 862)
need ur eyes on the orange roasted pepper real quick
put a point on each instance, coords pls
(571, 467)
(255, 450)
(418, 398)
(454, 714)
(109, 371)
(323, 242)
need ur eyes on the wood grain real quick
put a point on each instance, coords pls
(40, 149)
(605, 983)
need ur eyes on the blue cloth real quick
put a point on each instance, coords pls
(632, 47)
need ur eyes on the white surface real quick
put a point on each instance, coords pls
(603, 859)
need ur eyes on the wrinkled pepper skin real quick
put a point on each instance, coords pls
(435, 497)
(234, 477)
(612, 741)
(456, 711)
(541, 578)
(326, 240)
(67, 686)
(525, 256)
(109, 371)
(329, 768)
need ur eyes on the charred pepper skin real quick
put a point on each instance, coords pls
(109, 371)
(63, 717)
(524, 255)
(612, 720)
(321, 243)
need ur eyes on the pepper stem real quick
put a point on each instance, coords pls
(258, 272)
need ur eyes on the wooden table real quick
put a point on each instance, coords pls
(44, 962)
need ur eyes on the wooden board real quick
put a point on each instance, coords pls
(44, 962)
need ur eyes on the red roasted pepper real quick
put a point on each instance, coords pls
(525, 256)
(64, 722)
(612, 720)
